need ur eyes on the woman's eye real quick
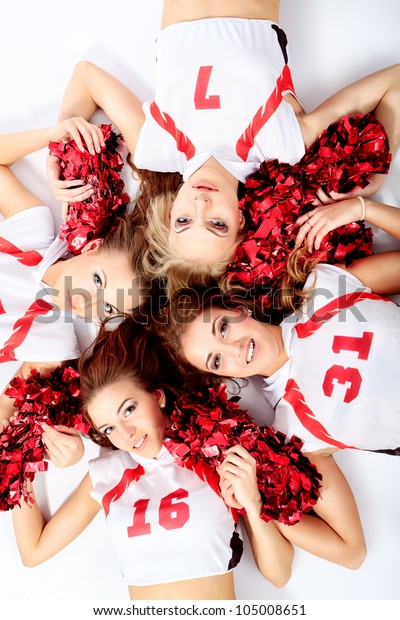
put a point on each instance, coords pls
(182, 221)
(129, 410)
(108, 309)
(219, 224)
(223, 326)
(216, 363)
(107, 431)
(97, 280)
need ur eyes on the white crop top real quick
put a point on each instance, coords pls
(166, 523)
(219, 89)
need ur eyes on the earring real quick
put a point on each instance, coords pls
(162, 405)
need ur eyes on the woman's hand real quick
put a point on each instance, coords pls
(65, 191)
(64, 446)
(317, 223)
(81, 131)
(238, 480)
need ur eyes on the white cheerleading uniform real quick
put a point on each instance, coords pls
(166, 523)
(219, 93)
(341, 384)
(32, 329)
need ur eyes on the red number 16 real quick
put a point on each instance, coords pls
(172, 514)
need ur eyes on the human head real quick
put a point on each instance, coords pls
(106, 278)
(126, 362)
(207, 261)
(205, 219)
(217, 337)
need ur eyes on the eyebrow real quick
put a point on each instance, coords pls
(211, 230)
(118, 412)
(214, 333)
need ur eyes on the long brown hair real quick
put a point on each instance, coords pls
(298, 268)
(153, 184)
(187, 305)
(130, 351)
(128, 237)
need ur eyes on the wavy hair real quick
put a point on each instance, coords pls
(184, 308)
(161, 260)
(298, 267)
(154, 201)
(131, 351)
(128, 237)
(188, 304)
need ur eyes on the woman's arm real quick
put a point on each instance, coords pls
(380, 272)
(272, 552)
(90, 88)
(318, 222)
(378, 93)
(64, 446)
(336, 533)
(39, 540)
(14, 197)
(7, 408)
(14, 146)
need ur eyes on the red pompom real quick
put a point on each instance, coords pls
(343, 157)
(53, 400)
(93, 217)
(204, 426)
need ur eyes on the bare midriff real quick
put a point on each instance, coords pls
(191, 10)
(205, 588)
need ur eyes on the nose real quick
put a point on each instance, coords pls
(78, 302)
(202, 200)
(128, 429)
(234, 347)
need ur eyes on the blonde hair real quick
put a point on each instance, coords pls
(161, 261)
(298, 268)
(154, 201)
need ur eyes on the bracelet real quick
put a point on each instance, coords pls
(361, 199)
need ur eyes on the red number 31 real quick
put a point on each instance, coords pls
(351, 376)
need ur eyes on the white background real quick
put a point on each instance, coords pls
(330, 45)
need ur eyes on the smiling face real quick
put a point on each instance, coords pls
(95, 284)
(130, 417)
(231, 343)
(205, 218)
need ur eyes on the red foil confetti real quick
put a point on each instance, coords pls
(343, 158)
(53, 400)
(93, 217)
(204, 426)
